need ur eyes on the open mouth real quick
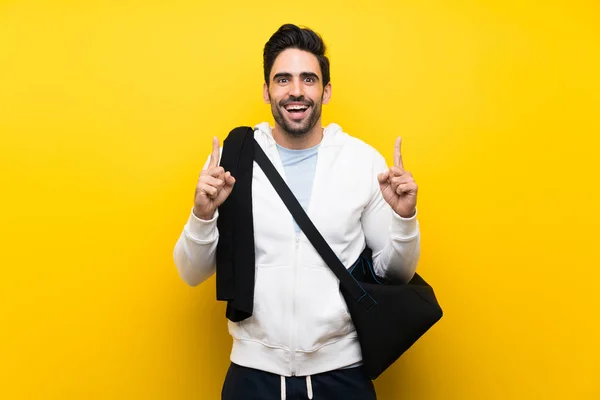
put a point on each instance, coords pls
(296, 111)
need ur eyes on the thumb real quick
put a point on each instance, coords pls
(229, 180)
(383, 177)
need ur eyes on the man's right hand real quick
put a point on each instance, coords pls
(214, 186)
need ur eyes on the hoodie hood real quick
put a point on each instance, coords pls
(332, 134)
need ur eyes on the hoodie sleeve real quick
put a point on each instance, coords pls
(196, 249)
(395, 241)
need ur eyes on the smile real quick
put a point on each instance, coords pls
(297, 111)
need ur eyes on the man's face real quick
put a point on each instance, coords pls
(296, 91)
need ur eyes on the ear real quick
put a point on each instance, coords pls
(266, 94)
(326, 93)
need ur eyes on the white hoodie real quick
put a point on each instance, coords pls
(300, 323)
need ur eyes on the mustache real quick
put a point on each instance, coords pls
(299, 99)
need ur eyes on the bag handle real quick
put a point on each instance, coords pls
(347, 280)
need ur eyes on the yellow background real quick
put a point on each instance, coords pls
(107, 109)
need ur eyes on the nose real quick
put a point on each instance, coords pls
(296, 89)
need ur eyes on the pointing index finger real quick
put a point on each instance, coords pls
(398, 153)
(214, 157)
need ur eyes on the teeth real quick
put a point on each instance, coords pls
(296, 107)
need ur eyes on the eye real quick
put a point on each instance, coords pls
(282, 80)
(309, 80)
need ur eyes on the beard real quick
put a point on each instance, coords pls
(296, 128)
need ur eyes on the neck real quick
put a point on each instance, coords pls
(289, 141)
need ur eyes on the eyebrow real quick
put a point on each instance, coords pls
(302, 75)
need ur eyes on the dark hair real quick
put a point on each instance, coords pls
(290, 36)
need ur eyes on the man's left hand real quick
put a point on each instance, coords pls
(398, 187)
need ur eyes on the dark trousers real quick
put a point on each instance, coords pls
(243, 383)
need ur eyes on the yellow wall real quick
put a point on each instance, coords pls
(106, 113)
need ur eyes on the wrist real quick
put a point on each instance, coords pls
(407, 215)
(203, 215)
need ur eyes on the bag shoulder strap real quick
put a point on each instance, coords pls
(347, 281)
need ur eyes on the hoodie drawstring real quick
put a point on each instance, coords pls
(309, 389)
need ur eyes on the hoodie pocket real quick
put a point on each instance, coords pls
(322, 313)
(271, 317)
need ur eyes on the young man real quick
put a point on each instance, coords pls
(299, 341)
